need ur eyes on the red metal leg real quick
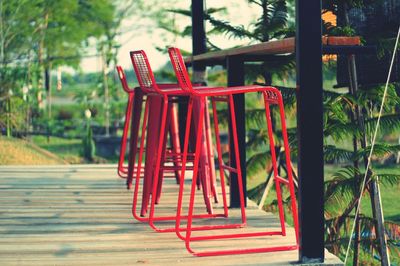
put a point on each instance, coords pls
(275, 167)
(210, 154)
(204, 173)
(220, 161)
(289, 167)
(188, 237)
(122, 169)
(158, 152)
(184, 159)
(163, 130)
(175, 142)
(139, 169)
(139, 165)
(237, 157)
(195, 167)
(161, 142)
(151, 150)
(179, 216)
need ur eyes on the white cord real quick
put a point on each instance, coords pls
(372, 145)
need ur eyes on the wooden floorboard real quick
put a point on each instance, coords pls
(81, 215)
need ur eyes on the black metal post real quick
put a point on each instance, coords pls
(235, 66)
(198, 33)
(198, 47)
(310, 130)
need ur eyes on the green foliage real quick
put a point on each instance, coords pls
(15, 114)
(39, 35)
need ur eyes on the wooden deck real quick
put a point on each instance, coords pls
(81, 215)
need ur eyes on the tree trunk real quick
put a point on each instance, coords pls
(357, 241)
(47, 82)
(8, 118)
(106, 93)
(376, 202)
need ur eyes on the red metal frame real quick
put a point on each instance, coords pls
(271, 96)
(123, 169)
(159, 96)
(136, 102)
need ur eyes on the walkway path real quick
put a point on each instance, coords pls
(81, 215)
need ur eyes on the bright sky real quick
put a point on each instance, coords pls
(147, 37)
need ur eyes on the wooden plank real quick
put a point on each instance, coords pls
(81, 222)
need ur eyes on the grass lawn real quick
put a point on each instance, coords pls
(20, 152)
(389, 194)
(67, 149)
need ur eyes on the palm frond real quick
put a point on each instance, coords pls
(329, 95)
(340, 130)
(387, 179)
(255, 117)
(213, 10)
(257, 138)
(372, 96)
(380, 150)
(336, 109)
(292, 137)
(212, 46)
(274, 18)
(229, 30)
(257, 163)
(341, 189)
(338, 155)
(255, 2)
(289, 31)
(256, 192)
(279, 16)
(388, 123)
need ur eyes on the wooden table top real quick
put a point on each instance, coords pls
(283, 46)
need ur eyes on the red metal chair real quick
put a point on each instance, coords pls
(122, 168)
(160, 98)
(271, 97)
(135, 100)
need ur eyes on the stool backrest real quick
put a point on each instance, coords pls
(122, 78)
(143, 71)
(180, 69)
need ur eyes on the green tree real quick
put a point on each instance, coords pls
(39, 35)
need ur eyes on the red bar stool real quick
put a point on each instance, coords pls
(135, 100)
(160, 98)
(271, 97)
(122, 168)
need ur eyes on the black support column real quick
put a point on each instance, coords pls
(235, 67)
(198, 47)
(310, 130)
(198, 34)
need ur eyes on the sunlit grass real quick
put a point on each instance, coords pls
(21, 152)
